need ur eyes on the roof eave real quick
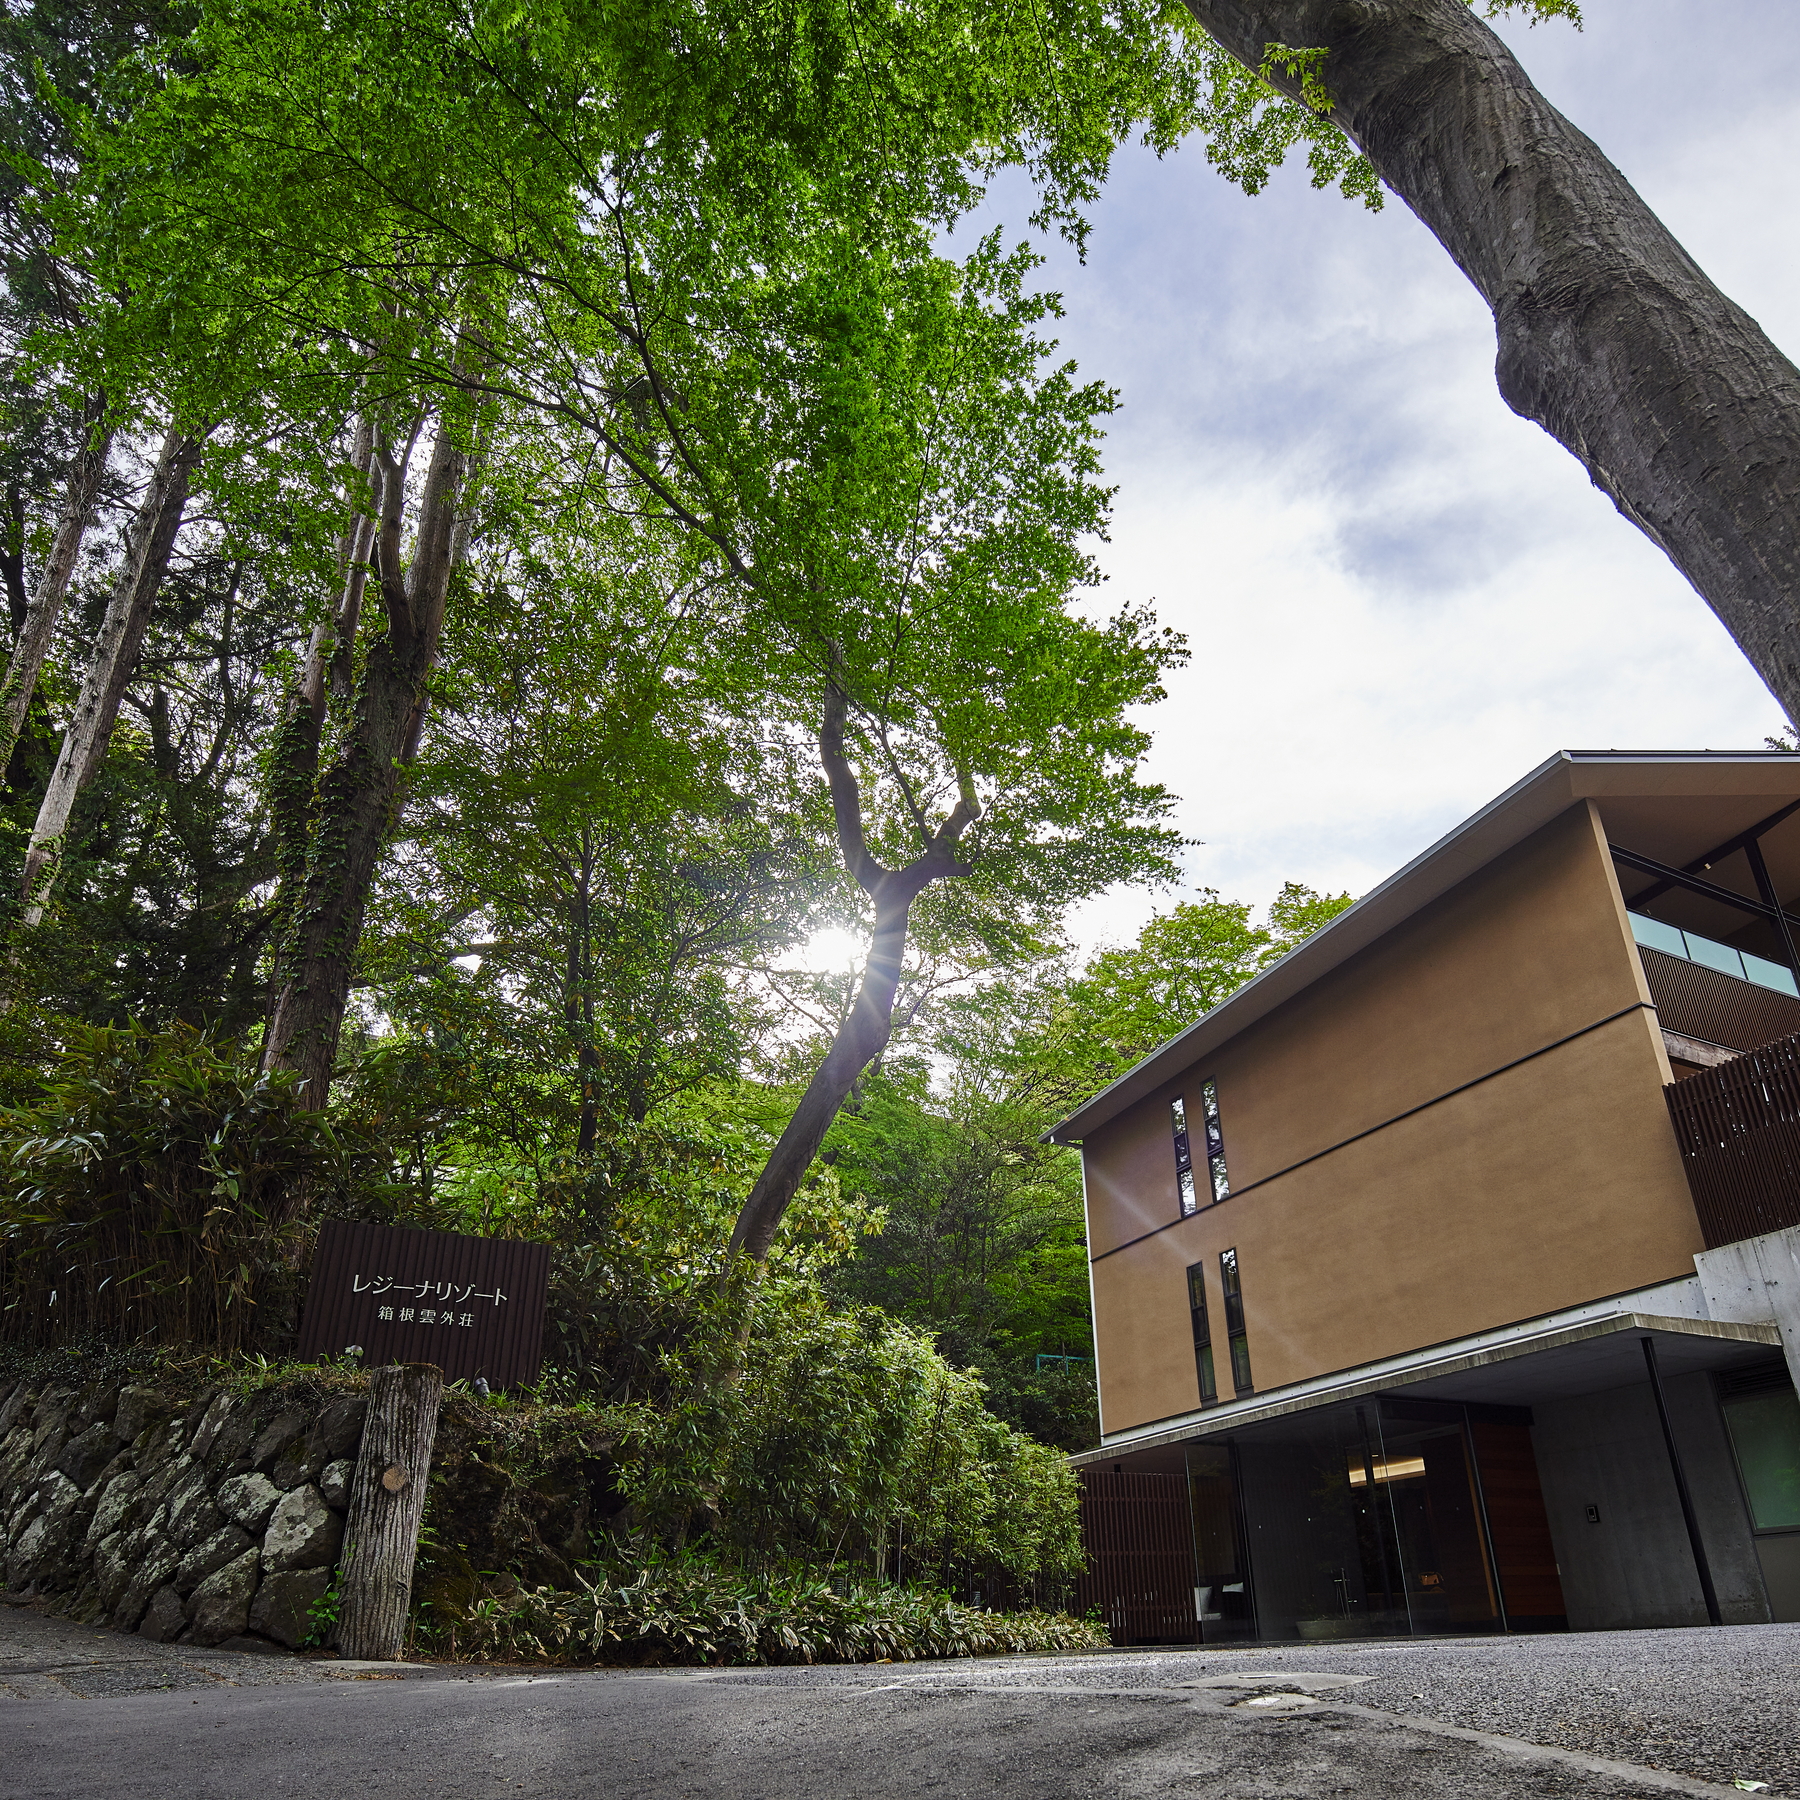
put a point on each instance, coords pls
(1359, 925)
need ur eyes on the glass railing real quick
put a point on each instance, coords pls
(1653, 934)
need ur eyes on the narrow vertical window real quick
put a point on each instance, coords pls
(1184, 1157)
(1203, 1356)
(1215, 1142)
(1234, 1321)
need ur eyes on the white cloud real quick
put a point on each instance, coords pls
(1401, 597)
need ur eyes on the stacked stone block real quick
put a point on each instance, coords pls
(204, 1522)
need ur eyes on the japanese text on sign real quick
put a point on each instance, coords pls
(440, 1291)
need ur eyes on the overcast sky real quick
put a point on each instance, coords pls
(1400, 597)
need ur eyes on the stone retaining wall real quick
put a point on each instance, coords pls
(202, 1521)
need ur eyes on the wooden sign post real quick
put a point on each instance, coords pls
(418, 1308)
(387, 1506)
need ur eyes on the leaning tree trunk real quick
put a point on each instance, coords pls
(44, 608)
(387, 1505)
(1610, 336)
(357, 794)
(115, 657)
(864, 1033)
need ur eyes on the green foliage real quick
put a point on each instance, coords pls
(323, 1613)
(778, 1429)
(983, 1238)
(692, 1611)
(1250, 127)
(151, 1192)
(849, 1436)
(1071, 1036)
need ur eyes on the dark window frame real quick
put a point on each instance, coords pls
(1215, 1141)
(1185, 1196)
(1203, 1352)
(1236, 1333)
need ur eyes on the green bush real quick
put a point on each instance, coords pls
(151, 1195)
(694, 1612)
(839, 1442)
(847, 1439)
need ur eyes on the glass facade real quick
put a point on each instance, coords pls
(1383, 1517)
(1765, 1436)
(1224, 1606)
(1653, 934)
(1365, 1521)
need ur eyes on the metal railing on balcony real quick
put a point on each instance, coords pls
(1738, 1127)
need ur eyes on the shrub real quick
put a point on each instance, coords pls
(696, 1612)
(152, 1194)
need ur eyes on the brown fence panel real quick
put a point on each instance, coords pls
(1709, 1004)
(1738, 1127)
(1140, 1546)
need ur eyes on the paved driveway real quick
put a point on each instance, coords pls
(1626, 1714)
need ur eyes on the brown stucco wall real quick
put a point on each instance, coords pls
(1554, 1183)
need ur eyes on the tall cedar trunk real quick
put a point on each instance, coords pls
(115, 657)
(294, 758)
(32, 644)
(864, 1033)
(387, 1504)
(357, 794)
(1610, 337)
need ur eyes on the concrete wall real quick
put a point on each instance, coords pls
(1635, 1568)
(1546, 1186)
(1754, 1281)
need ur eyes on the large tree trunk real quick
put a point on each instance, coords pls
(38, 626)
(115, 657)
(1610, 336)
(294, 756)
(864, 1033)
(356, 796)
(860, 1039)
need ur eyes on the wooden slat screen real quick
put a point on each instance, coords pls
(1140, 1546)
(1738, 1127)
(1707, 1003)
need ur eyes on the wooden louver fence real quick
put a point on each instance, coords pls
(1140, 1546)
(1738, 1127)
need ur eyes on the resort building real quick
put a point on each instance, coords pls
(1446, 1277)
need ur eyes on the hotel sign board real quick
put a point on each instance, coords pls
(474, 1306)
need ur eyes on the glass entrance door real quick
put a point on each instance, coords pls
(1224, 1605)
(1419, 1522)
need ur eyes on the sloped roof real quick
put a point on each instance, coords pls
(1553, 786)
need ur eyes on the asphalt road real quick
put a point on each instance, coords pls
(128, 1719)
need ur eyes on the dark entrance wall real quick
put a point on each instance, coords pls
(1524, 1551)
(1634, 1569)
